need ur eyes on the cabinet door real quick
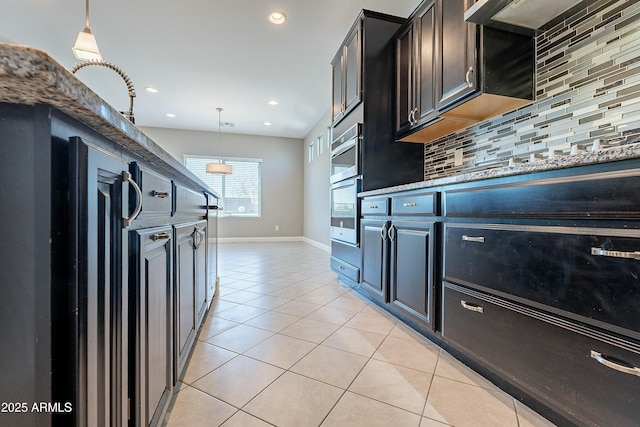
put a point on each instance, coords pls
(457, 47)
(152, 309)
(352, 68)
(404, 79)
(374, 258)
(412, 269)
(200, 270)
(336, 94)
(425, 98)
(99, 292)
(185, 293)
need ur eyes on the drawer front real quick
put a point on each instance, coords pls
(556, 361)
(345, 269)
(594, 196)
(375, 206)
(582, 273)
(189, 201)
(157, 191)
(415, 204)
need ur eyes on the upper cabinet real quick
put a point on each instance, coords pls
(347, 76)
(451, 74)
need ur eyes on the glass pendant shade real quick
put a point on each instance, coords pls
(86, 47)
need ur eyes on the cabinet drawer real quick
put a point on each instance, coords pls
(189, 202)
(375, 206)
(415, 204)
(581, 273)
(552, 359)
(345, 269)
(157, 191)
(594, 196)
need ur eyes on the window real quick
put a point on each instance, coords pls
(240, 191)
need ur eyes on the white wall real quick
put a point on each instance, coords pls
(317, 209)
(282, 176)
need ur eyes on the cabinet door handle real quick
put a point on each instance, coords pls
(160, 236)
(342, 268)
(477, 239)
(471, 307)
(160, 194)
(392, 233)
(467, 77)
(615, 254)
(383, 232)
(409, 205)
(126, 176)
(628, 369)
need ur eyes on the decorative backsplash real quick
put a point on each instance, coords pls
(587, 97)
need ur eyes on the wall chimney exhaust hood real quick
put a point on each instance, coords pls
(521, 16)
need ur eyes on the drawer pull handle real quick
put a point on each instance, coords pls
(373, 207)
(473, 239)
(631, 370)
(615, 254)
(160, 236)
(471, 307)
(160, 194)
(409, 205)
(342, 268)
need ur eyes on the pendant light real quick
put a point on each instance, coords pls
(86, 47)
(219, 168)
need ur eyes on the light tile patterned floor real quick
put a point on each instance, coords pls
(287, 344)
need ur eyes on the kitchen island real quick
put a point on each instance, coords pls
(104, 277)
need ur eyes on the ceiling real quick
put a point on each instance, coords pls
(203, 54)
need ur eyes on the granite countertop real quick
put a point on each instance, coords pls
(29, 76)
(606, 155)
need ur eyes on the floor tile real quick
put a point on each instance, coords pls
(268, 302)
(239, 380)
(242, 419)
(348, 302)
(240, 313)
(450, 367)
(294, 401)
(331, 366)
(529, 418)
(371, 323)
(354, 341)
(396, 385)
(219, 305)
(240, 339)
(240, 297)
(213, 325)
(410, 354)
(204, 359)
(310, 330)
(358, 411)
(280, 350)
(298, 308)
(194, 408)
(273, 321)
(328, 314)
(461, 404)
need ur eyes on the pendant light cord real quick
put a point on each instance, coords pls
(87, 15)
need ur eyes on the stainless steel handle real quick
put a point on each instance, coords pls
(631, 370)
(126, 176)
(615, 254)
(467, 77)
(383, 232)
(342, 268)
(160, 236)
(160, 194)
(392, 233)
(198, 237)
(471, 307)
(409, 205)
(477, 239)
(412, 116)
(373, 207)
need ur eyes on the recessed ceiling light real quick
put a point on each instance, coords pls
(267, 123)
(151, 89)
(170, 115)
(273, 102)
(277, 17)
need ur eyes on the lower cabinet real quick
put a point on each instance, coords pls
(190, 287)
(591, 376)
(151, 342)
(375, 252)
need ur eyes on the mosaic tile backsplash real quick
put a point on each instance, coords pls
(587, 97)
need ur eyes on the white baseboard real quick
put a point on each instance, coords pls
(306, 240)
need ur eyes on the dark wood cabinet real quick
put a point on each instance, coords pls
(152, 313)
(375, 258)
(347, 80)
(99, 284)
(452, 74)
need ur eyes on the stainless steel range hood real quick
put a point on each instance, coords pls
(522, 16)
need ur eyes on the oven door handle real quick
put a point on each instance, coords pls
(347, 145)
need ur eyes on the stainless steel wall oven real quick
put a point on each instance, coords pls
(345, 211)
(345, 154)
